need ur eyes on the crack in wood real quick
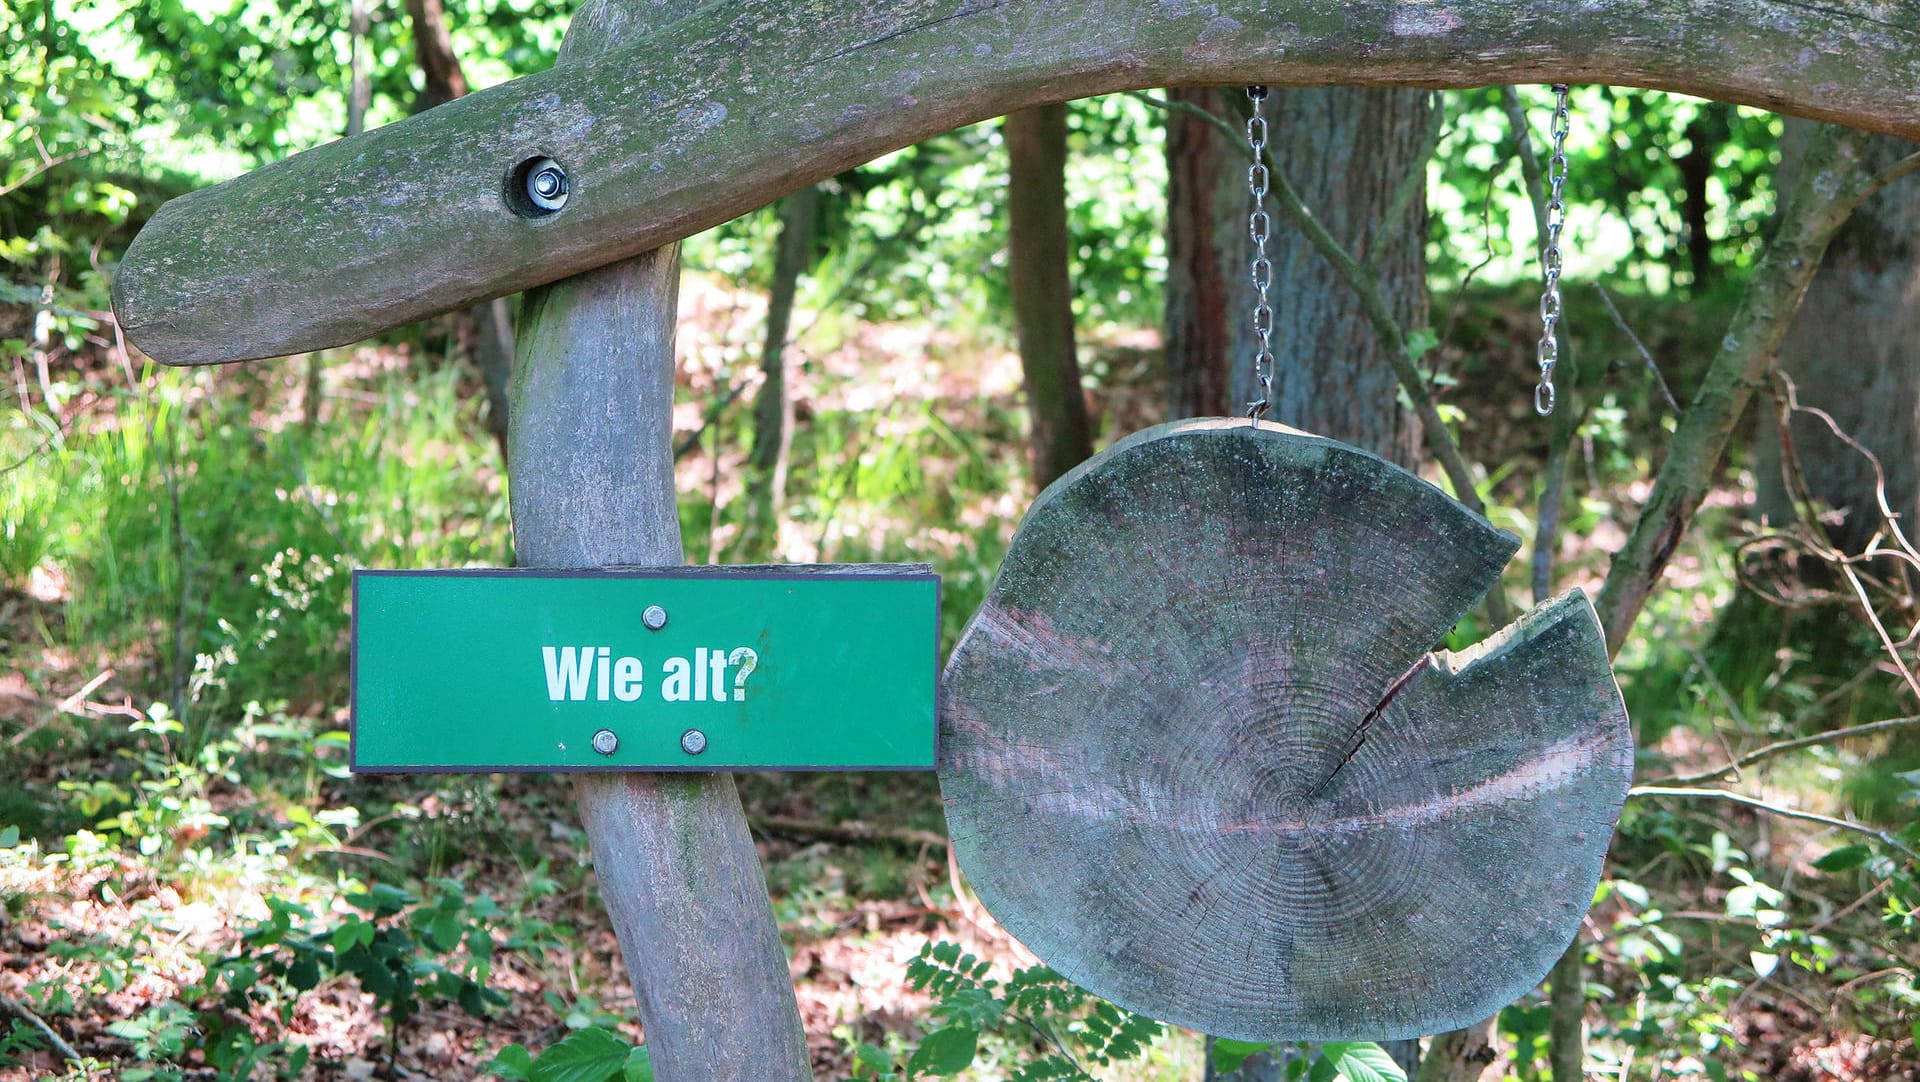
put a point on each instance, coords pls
(963, 13)
(1359, 737)
(1846, 16)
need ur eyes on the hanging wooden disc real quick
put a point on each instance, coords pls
(1196, 756)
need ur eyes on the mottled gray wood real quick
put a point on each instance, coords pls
(1196, 756)
(747, 100)
(591, 462)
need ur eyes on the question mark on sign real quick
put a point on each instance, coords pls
(743, 660)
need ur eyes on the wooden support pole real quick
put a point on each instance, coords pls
(592, 485)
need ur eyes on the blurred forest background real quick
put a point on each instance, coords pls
(889, 366)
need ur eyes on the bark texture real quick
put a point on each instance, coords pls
(1038, 247)
(746, 100)
(592, 486)
(1209, 330)
(1195, 731)
(1853, 350)
(441, 77)
(1354, 156)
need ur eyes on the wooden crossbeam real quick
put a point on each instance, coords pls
(747, 100)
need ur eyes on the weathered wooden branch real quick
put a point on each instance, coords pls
(1195, 730)
(746, 100)
(590, 432)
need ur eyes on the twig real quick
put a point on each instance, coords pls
(22, 1011)
(47, 163)
(1530, 173)
(1756, 803)
(1646, 358)
(712, 414)
(1782, 747)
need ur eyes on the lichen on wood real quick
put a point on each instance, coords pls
(1195, 730)
(746, 100)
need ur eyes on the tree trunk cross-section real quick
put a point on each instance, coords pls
(746, 100)
(1194, 731)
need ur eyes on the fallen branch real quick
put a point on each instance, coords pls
(848, 832)
(24, 1013)
(1757, 804)
(1782, 747)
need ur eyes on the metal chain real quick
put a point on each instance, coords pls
(1543, 394)
(1259, 227)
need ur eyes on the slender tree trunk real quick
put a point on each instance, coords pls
(773, 409)
(360, 93)
(1358, 159)
(1037, 250)
(442, 79)
(487, 328)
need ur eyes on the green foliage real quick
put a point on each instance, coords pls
(394, 951)
(1036, 1024)
(592, 1054)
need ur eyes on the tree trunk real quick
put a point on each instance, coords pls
(1037, 251)
(1209, 338)
(592, 485)
(1852, 352)
(442, 79)
(486, 328)
(360, 89)
(1348, 152)
(773, 409)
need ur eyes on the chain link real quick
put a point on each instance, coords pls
(1259, 227)
(1550, 259)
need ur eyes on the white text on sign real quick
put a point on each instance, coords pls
(595, 673)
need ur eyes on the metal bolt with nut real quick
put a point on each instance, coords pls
(547, 185)
(606, 742)
(693, 741)
(655, 618)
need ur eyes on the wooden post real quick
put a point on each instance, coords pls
(592, 485)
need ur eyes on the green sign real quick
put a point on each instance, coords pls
(748, 668)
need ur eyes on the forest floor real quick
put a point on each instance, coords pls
(165, 783)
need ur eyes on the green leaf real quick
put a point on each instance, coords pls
(9, 837)
(1229, 1055)
(1364, 1062)
(639, 1066)
(589, 1055)
(945, 1051)
(513, 1062)
(1845, 858)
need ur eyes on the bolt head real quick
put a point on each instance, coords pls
(547, 185)
(605, 742)
(655, 618)
(693, 741)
